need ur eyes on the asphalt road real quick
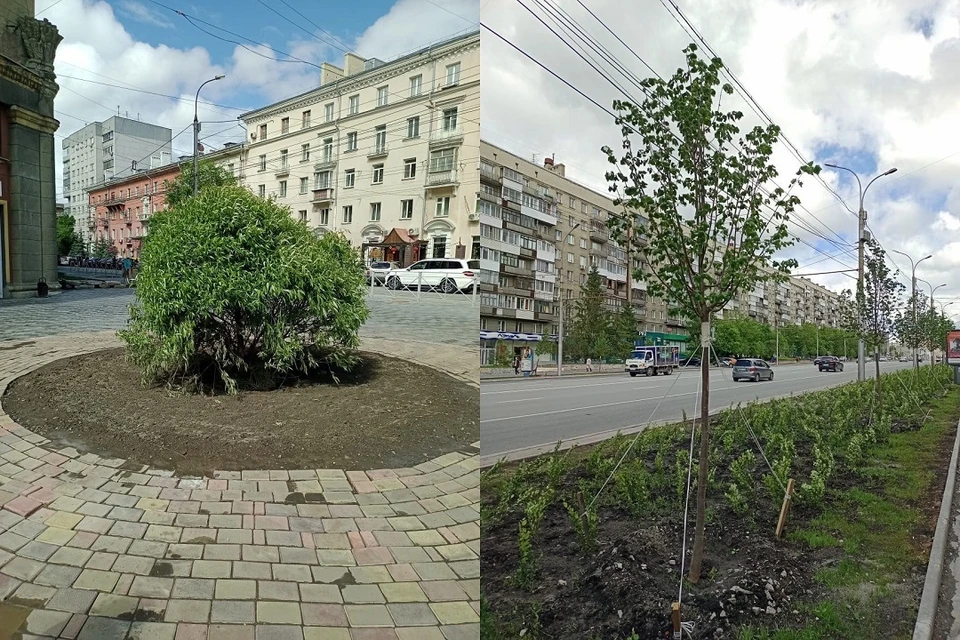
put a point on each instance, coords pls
(519, 415)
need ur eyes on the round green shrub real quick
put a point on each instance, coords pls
(232, 290)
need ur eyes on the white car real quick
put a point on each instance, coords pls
(447, 274)
(378, 270)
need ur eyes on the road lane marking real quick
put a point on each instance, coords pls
(520, 400)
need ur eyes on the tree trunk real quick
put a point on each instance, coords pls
(696, 561)
(876, 358)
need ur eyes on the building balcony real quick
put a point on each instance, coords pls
(282, 171)
(444, 137)
(599, 234)
(325, 164)
(378, 151)
(442, 179)
(490, 176)
(322, 195)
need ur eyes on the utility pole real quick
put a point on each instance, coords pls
(560, 309)
(933, 290)
(915, 338)
(196, 132)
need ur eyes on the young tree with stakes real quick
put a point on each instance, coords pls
(908, 325)
(713, 227)
(589, 336)
(872, 314)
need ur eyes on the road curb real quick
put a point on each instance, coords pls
(938, 550)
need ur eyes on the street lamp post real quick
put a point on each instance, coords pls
(933, 309)
(196, 131)
(861, 229)
(560, 309)
(913, 298)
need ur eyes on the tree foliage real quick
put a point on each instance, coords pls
(103, 248)
(589, 335)
(230, 283)
(69, 241)
(698, 189)
(209, 174)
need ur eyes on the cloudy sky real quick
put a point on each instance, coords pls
(141, 57)
(867, 85)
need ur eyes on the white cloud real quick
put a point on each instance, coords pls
(414, 24)
(142, 13)
(861, 79)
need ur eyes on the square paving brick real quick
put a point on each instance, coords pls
(71, 556)
(284, 538)
(187, 611)
(291, 555)
(134, 564)
(403, 592)
(234, 536)
(72, 600)
(94, 524)
(97, 580)
(454, 612)
(112, 606)
(231, 632)
(368, 615)
(23, 568)
(331, 633)
(147, 548)
(128, 529)
(422, 633)
(37, 550)
(152, 631)
(233, 611)
(30, 594)
(221, 552)
(101, 560)
(411, 614)
(278, 590)
(292, 572)
(278, 632)
(146, 587)
(370, 575)
(58, 575)
(362, 594)
(188, 551)
(325, 593)
(162, 533)
(211, 569)
(22, 506)
(28, 529)
(336, 558)
(236, 590)
(323, 615)
(10, 541)
(252, 570)
(56, 536)
(260, 554)
(434, 571)
(46, 623)
(278, 613)
(193, 588)
(104, 629)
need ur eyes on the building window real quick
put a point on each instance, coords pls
(327, 149)
(352, 141)
(306, 119)
(303, 215)
(382, 96)
(374, 212)
(263, 132)
(406, 209)
(328, 112)
(378, 174)
(443, 207)
(283, 188)
(416, 84)
(348, 214)
(450, 119)
(322, 180)
(441, 160)
(413, 127)
(305, 152)
(284, 126)
(440, 246)
(283, 159)
(453, 74)
(304, 183)
(354, 105)
(409, 168)
(229, 168)
(349, 178)
(262, 191)
(380, 140)
(324, 217)
(263, 162)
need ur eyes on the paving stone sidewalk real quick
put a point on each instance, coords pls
(103, 549)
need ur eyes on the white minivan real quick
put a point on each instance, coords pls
(446, 274)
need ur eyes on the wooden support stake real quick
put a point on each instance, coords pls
(675, 616)
(785, 508)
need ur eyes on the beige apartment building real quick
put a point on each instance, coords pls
(385, 153)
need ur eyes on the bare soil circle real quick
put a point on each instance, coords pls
(386, 413)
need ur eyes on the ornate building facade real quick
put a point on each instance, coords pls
(28, 223)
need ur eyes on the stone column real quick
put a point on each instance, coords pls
(33, 221)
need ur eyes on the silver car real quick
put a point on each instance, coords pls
(377, 271)
(751, 369)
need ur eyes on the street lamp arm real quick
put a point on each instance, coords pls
(854, 173)
(885, 173)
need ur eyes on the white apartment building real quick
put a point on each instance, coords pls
(386, 153)
(102, 151)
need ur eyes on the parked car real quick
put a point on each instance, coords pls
(727, 362)
(751, 369)
(448, 275)
(817, 361)
(692, 361)
(903, 359)
(377, 271)
(883, 358)
(830, 363)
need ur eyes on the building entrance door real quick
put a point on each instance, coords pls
(4, 244)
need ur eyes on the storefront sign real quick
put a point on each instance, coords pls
(499, 335)
(953, 348)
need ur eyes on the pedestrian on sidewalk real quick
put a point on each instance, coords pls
(127, 264)
(589, 365)
(516, 364)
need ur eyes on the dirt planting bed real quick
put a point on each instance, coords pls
(387, 413)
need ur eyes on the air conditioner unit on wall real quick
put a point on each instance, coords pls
(473, 217)
(414, 231)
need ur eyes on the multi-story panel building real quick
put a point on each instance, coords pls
(120, 209)
(102, 151)
(382, 152)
